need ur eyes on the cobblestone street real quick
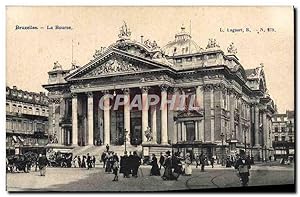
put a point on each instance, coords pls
(75, 179)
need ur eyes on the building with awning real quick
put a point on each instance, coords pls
(26, 121)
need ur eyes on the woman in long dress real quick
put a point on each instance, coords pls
(187, 165)
(155, 169)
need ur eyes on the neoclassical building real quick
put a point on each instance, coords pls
(234, 105)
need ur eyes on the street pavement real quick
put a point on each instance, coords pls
(78, 179)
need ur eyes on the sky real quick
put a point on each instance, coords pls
(30, 54)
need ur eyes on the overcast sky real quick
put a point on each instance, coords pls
(31, 53)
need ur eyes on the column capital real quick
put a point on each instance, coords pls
(89, 94)
(164, 87)
(126, 91)
(105, 91)
(74, 95)
(144, 89)
(207, 87)
(56, 100)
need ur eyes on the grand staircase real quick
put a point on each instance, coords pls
(98, 150)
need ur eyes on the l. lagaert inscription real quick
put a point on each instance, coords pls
(140, 112)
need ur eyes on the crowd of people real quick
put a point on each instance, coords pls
(84, 161)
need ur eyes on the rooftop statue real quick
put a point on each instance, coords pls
(212, 43)
(99, 52)
(232, 49)
(124, 31)
(57, 66)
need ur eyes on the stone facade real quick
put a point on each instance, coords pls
(26, 120)
(234, 106)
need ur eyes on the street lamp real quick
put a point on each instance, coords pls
(222, 137)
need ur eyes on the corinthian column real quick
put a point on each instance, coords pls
(90, 118)
(164, 114)
(126, 92)
(74, 121)
(153, 124)
(145, 109)
(106, 118)
(256, 125)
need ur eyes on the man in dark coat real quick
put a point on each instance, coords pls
(161, 160)
(43, 162)
(124, 167)
(103, 159)
(89, 161)
(168, 167)
(130, 163)
(107, 147)
(243, 166)
(136, 162)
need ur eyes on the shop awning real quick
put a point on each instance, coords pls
(21, 139)
(15, 139)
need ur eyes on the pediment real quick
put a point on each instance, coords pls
(115, 62)
(114, 65)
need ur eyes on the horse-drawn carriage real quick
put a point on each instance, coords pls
(19, 163)
(58, 157)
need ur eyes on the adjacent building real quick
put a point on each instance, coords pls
(26, 121)
(235, 109)
(283, 134)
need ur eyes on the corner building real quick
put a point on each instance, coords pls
(235, 107)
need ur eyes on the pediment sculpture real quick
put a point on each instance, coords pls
(212, 43)
(114, 66)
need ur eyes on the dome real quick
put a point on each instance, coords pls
(183, 44)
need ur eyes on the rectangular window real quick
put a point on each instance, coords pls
(276, 129)
(189, 59)
(276, 138)
(282, 129)
(178, 60)
(291, 139)
(7, 107)
(283, 138)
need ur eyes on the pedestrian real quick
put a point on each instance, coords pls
(130, 163)
(94, 161)
(212, 161)
(155, 169)
(243, 166)
(83, 163)
(42, 161)
(103, 158)
(79, 162)
(75, 162)
(187, 165)
(197, 161)
(115, 167)
(161, 160)
(202, 162)
(124, 167)
(89, 161)
(177, 166)
(107, 147)
(108, 166)
(168, 167)
(136, 162)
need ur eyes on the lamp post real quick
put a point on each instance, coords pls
(222, 137)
